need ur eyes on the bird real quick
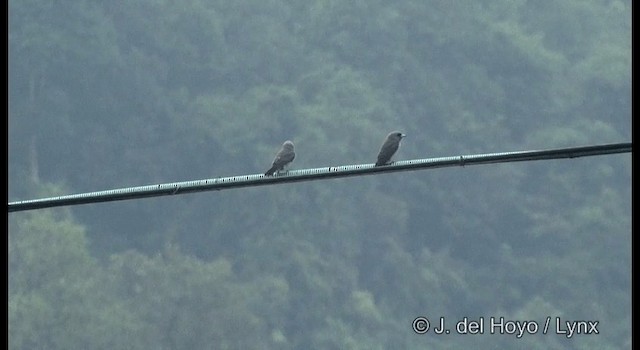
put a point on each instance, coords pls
(389, 147)
(284, 156)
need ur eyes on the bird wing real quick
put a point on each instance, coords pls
(387, 150)
(283, 157)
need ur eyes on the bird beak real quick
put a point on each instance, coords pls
(403, 135)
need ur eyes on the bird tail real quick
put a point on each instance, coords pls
(270, 171)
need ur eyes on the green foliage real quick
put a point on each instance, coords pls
(184, 302)
(56, 298)
(112, 94)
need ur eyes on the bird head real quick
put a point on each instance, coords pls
(397, 135)
(288, 144)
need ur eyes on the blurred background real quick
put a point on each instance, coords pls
(111, 94)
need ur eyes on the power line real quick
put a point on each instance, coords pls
(222, 183)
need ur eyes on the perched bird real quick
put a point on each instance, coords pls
(284, 156)
(389, 147)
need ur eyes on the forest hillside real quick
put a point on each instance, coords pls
(112, 94)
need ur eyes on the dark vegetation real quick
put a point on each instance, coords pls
(110, 94)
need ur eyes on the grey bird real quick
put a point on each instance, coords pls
(284, 156)
(389, 147)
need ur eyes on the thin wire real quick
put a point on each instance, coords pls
(312, 174)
